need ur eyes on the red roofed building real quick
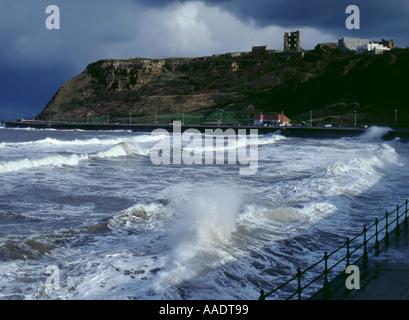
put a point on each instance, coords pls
(269, 120)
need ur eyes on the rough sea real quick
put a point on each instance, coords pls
(93, 206)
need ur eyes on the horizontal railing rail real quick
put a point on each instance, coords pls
(381, 229)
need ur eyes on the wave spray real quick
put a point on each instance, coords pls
(201, 234)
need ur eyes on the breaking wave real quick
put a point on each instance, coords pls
(56, 161)
(53, 142)
(139, 216)
(350, 176)
(121, 149)
(232, 143)
(374, 133)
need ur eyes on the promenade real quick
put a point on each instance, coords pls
(386, 276)
(293, 131)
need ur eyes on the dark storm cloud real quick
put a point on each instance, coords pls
(318, 13)
(24, 91)
(378, 17)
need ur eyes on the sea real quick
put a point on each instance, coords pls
(88, 215)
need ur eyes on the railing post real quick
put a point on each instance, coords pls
(397, 221)
(299, 274)
(376, 237)
(365, 255)
(326, 283)
(406, 216)
(348, 255)
(386, 232)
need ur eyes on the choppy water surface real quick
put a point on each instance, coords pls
(119, 227)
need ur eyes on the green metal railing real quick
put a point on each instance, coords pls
(381, 231)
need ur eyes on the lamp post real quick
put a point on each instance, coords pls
(310, 118)
(355, 119)
(396, 117)
(130, 118)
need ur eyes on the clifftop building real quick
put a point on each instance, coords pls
(259, 48)
(356, 45)
(292, 41)
(351, 44)
(372, 48)
(387, 43)
(292, 45)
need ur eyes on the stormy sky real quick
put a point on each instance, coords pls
(36, 61)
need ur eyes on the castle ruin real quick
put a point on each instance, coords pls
(292, 41)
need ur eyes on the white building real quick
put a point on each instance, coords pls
(372, 48)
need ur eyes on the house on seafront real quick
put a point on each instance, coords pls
(270, 120)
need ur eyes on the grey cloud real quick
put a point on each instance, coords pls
(378, 17)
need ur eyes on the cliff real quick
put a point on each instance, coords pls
(328, 82)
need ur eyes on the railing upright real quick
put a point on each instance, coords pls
(376, 237)
(365, 255)
(397, 221)
(299, 289)
(326, 282)
(348, 255)
(386, 228)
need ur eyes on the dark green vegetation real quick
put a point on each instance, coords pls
(331, 84)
